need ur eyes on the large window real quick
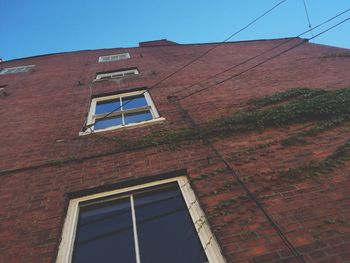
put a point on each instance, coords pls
(156, 223)
(110, 112)
(14, 70)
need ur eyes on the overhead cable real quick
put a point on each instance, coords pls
(89, 126)
(303, 41)
(260, 54)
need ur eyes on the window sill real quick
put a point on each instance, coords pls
(129, 126)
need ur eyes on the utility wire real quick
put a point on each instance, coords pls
(261, 54)
(308, 18)
(275, 226)
(192, 61)
(236, 75)
(264, 61)
(249, 59)
(192, 124)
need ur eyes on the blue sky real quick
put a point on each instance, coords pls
(34, 27)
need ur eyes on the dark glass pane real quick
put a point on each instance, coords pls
(165, 230)
(105, 233)
(107, 106)
(108, 122)
(134, 102)
(137, 117)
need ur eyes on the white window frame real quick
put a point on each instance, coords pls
(92, 117)
(14, 70)
(115, 57)
(208, 241)
(117, 74)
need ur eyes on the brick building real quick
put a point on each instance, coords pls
(102, 159)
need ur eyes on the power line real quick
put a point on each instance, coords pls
(217, 45)
(68, 160)
(275, 226)
(192, 124)
(264, 61)
(308, 18)
(190, 62)
(249, 59)
(327, 21)
(263, 53)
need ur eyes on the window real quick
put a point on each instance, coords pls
(15, 69)
(120, 110)
(117, 74)
(115, 57)
(157, 222)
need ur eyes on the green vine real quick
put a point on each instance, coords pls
(210, 174)
(300, 93)
(325, 106)
(237, 156)
(338, 157)
(219, 190)
(322, 126)
(312, 105)
(224, 207)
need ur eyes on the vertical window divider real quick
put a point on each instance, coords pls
(133, 213)
(121, 110)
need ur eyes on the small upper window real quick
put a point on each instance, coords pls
(15, 69)
(125, 109)
(117, 74)
(115, 57)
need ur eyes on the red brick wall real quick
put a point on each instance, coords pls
(46, 108)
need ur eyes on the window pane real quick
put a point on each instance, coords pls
(134, 102)
(117, 75)
(105, 233)
(165, 230)
(108, 122)
(104, 77)
(137, 117)
(107, 106)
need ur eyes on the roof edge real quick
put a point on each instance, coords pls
(152, 46)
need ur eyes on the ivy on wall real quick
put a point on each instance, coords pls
(327, 108)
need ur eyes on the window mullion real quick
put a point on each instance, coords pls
(121, 108)
(137, 250)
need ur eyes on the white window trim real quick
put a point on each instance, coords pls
(18, 69)
(114, 57)
(205, 235)
(117, 74)
(91, 116)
